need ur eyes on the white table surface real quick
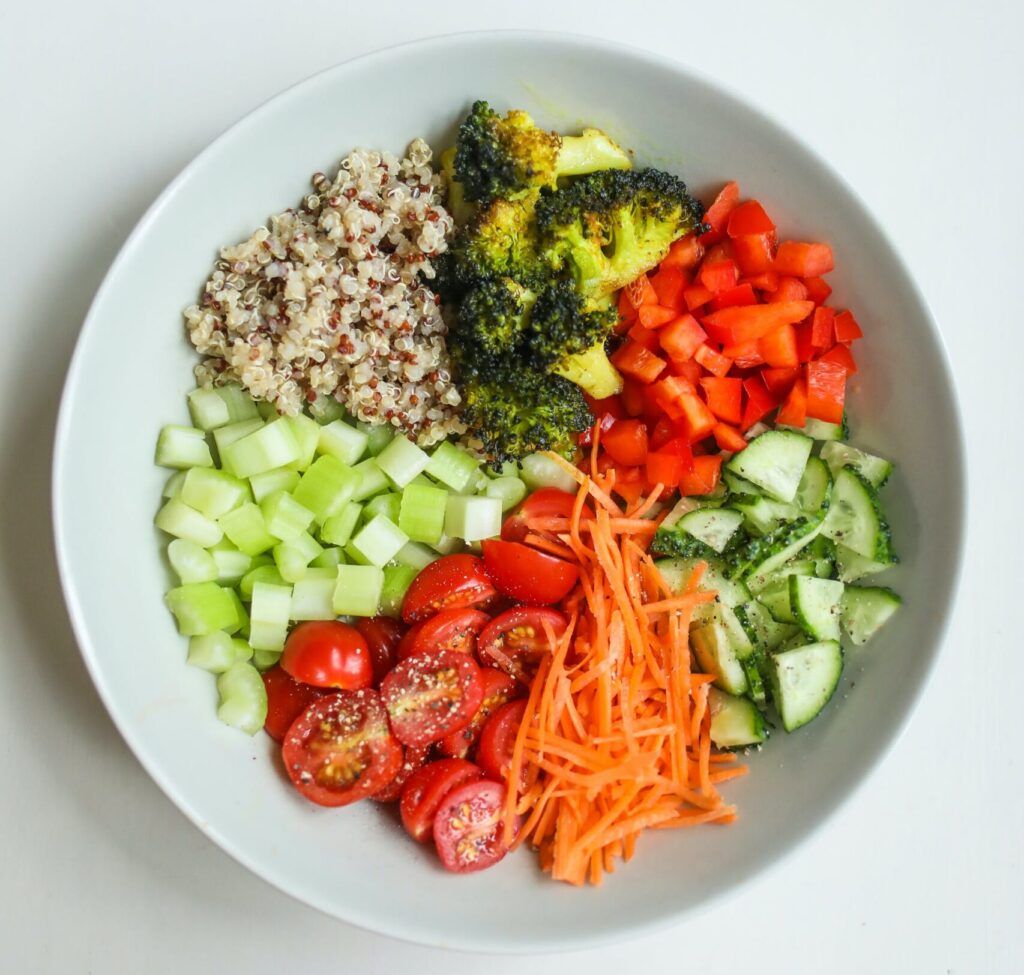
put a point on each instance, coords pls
(916, 103)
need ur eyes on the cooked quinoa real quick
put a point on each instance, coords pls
(330, 299)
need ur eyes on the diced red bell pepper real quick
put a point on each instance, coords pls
(789, 289)
(689, 370)
(646, 337)
(609, 406)
(717, 215)
(668, 285)
(804, 349)
(696, 418)
(626, 442)
(664, 467)
(681, 338)
(724, 397)
(749, 218)
(662, 432)
(717, 363)
(603, 420)
(822, 330)
(759, 403)
(684, 253)
(668, 391)
(744, 355)
(778, 347)
(846, 327)
(742, 294)
(632, 396)
(804, 260)
(627, 314)
(729, 438)
(748, 322)
(755, 253)
(654, 316)
(718, 276)
(818, 290)
(793, 412)
(703, 479)
(767, 281)
(696, 296)
(842, 355)
(779, 381)
(629, 484)
(634, 360)
(640, 292)
(826, 390)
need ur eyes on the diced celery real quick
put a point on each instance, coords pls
(477, 484)
(389, 505)
(223, 437)
(326, 409)
(262, 573)
(540, 471)
(247, 529)
(337, 530)
(452, 466)
(172, 489)
(207, 409)
(371, 480)
(448, 545)
(397, 579)
(378, 541)
(339, 439)
(307, 433)
(313, 598)
(266, 410)
(201, 608)
(472, 518)
(293, 557)
(243, 698)
(231, 563)
(240, 404)
(178, 519)
(268, 616)
(326, 487)
(191, 562)
(284, 516)
(421, 515)
(357, 590)
(508, 490)
(182, 447)
(329, 558)
(273, 445)
(212, 492)
(379, 434)
(401, 460)
(216, 652)
(241, 624)
(416, 555)
(265, 659)
(280, 479)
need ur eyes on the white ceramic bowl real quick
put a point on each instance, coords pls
(131, 371)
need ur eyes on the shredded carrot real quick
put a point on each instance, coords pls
(617, 735)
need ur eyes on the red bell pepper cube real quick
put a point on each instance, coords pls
(697, 420)
(759, 403)
(749, 218)
(629, 483)
(789, 289)
(684, 253)
(765, 282)
(665, 468)
(780, 381)
(846, 327)
(627, 313)
(755, 253)
(644, 336)
(609, 406)
(793, 412)
(818, 290)
(744, 355)
(804, 260)
(717, 363)
(668, 391)
(778, 347)
(654, 316)
(661, 433)
(681, 338)
(640, 292)
(632, 396)
(742, 294)
(634, 360)
(729, 438)
(826, 390)
(690, 371)
(822, 327)
(718, 276)
(668, 284)
(703, 479)
(696, 296)
(804, 349)
(717, 215)
(748, 322)
(842, 355)
(603, 420)
(724, 397)
(626, 442)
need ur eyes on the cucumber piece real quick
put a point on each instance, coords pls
(329, 558)
(735, 722)
(850, 566)
(714, 527)
(243, 698)
(357, 590)
(539, 470)
(453, 467)
(273, 445)
(721, 646)
(326, 409)
(875, 470)
(201, 608)
(182, 447)
(247, 529)
(265, 659)
(191, 562)
(763, 556)
(269, 482)
(866, 609)
(339, 439)
(326, 487)
(240, 404)
(472, 518)
(823, 430)
(307, 435)
(804, 680)
(823, 553)
(285, 518)
(172, 489)
(815, 605)
(737, 485)
(797, 567)
(764, 631)
(264, 572)
(763, 515)
(379, 434)
(422, 511)
(416, 555)
(775, 462)
(401, 460)
(676, 573)
(855, 517)
(687, 504)
(752, 667)
(178, 519)
(775, 599)
(448, 545)
(815, 487)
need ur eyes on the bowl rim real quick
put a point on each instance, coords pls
(402, 930)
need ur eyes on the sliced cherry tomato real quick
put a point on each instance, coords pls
(499, 689)
(408, 639)
(545, 503)
(340, 750)
(413, 759)
(494, 753)
(452, 582)
(515, 640)
(286, 700)
(527, 575)
(327, 653)
(451, 629)
(431, 694)
(469, 827)
(426, 790)
(382, 635)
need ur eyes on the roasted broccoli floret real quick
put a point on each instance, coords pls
(608, 228)
(499, 156)
(492, 324)
(457, 204)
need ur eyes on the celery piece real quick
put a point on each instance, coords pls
(337, 530)
(326, 409)
(293, 557)
(279, 479)
(339, 439)
(241, 624)
(243, 698)
(231, 563)
(201, 608)
(539, 470)
(326, 487)
(265, 659)
(223, 437)
(477, 484)
(212, 492)
(178, 519)
(416, 555)
(397, 579)
(268, 616)
(379, 436)
(307, 433)
(371, 480)
(357, 590)
(207, 409)
(262, 573)
(401, 460)
(329, 558)
(472, 518)
(378, 541)
(273, 445)
(389, 505)
(284, 516)
(240, 404)
(172, 489)
(421, 515)
(452, 466)
(216, 652)
(191, 562)
(246, 527)
(313, 598)
(508, 490)
(266, 410)
(447, 545)
(182, 447)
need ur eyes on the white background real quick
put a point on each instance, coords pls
(917, 103)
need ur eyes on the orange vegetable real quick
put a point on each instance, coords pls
(745, 323)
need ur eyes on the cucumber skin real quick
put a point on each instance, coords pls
(758, 550)
(883, 544)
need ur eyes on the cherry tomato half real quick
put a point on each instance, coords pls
(545, 503)
(499, 689)
(339, 750)
(515, 640)
(431, 694)
(498, 739)
(426, 789)
(527, 575)
(286, 700)
(452, 582)
(451, 629)
(382, 635)
(413, 759)
(469, 827)
(327, 653)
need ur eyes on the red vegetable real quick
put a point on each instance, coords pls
(327, 653)
(515, 640)
(746, 323)
(793, 412)
(724, 397)
(469, 827)
(427, 788)
(499, 689)
(498, 739)
(451, 582)
(451, 629)
(826, 390)
(626, 442)
(286, 700)
(634, 360)
(681, 338)
(524, 574)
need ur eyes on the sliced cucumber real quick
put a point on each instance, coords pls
(764, 631)
(737, 484)
(685, 505)
(797, 567)
(714, 527)
(763, 515)
(775, 599)
(804, 680)
(762, 556)
(823, 430)
(851, 566)
(720, 646)
(775, 461)
(866, 609)
(875, 470)
(812, 493)
(676, 573)
(815, 605)
(823, 552)
(855, 517)
(735, 722)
